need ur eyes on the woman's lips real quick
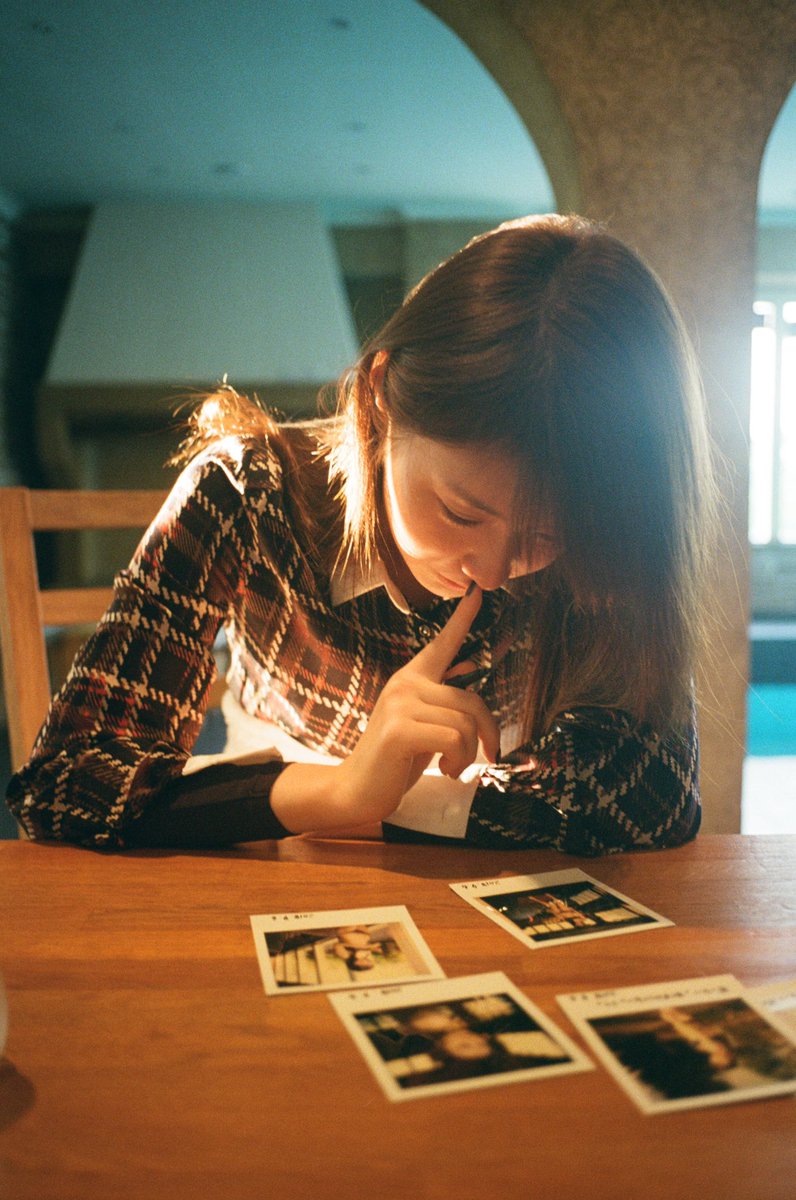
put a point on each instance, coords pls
(460, 586)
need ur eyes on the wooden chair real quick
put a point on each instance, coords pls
(26, 609)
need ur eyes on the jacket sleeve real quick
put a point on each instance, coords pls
(121, 729)
(596, 784)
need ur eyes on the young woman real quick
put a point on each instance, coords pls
(512, 495)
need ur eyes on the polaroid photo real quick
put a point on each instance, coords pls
(780, 999)
(357, 947)
(560, 906)
(436, 1038)
(686, 1044)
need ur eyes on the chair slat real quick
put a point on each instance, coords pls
(74, 606)
(25, 610)
(26, 676)
(94, 510)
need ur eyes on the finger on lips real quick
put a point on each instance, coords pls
(437, 655)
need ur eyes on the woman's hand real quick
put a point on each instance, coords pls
(415, 717)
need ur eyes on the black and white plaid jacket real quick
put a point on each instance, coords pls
(107, 768)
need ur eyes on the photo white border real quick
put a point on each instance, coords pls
(778, 998)
(264, 923)
(473, 890)
(350, 1004)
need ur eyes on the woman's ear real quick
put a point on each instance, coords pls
(378, 369)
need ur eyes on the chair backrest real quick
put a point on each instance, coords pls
(26, 609)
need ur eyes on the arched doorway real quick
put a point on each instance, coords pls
(769, 793)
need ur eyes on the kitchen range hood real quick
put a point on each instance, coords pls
(184, 294)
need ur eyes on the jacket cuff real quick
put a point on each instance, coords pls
(217, 806)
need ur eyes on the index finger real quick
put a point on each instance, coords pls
(435, 657)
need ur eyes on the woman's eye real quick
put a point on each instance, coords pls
(450, 515)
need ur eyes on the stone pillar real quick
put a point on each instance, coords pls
(663, 110)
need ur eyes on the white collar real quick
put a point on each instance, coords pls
(351, 580)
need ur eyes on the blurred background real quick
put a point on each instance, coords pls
(191, 190)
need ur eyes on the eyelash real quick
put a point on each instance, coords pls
(454, 517)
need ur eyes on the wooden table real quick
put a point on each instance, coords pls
(145, 1061)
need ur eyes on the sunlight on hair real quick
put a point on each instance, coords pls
(211, 411)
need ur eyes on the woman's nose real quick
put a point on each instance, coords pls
(489, 566)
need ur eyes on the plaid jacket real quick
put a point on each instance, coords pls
(107, 766)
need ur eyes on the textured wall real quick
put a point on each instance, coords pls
(667, 107)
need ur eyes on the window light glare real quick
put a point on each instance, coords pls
(786, 516)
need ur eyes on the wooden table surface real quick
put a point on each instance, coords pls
(144, 1060)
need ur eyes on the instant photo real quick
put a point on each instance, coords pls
(451, 1036)
(687, 1044)
(316, 952)
(560, 906)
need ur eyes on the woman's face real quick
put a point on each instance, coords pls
(436, 1020)
(466, 1043)
(450, 513)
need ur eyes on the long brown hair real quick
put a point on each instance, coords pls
(226, 413)
(549, 338)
